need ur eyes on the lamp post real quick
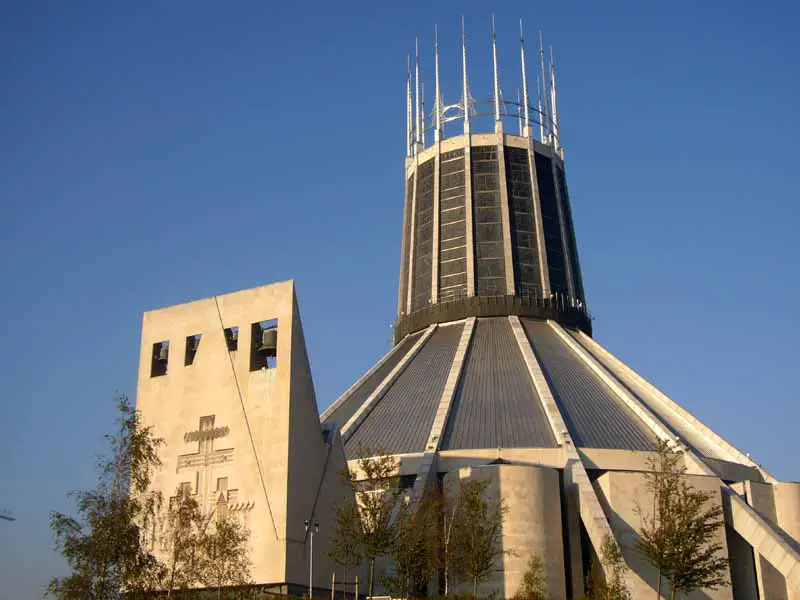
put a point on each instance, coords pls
(312, 531)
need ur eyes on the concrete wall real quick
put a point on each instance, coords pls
(266, 433)
(531, 526)
(621, 494)
(779, 504)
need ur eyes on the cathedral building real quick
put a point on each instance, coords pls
(494, 374)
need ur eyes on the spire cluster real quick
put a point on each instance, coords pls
(544, 114)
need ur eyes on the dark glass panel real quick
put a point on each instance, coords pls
(423, 236)
(551, 224)
(452, 226)
(571, 243)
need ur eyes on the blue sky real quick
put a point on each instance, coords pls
(158, 152)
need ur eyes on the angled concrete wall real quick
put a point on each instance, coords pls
(622, 493)
(241, 437)
(532, 524)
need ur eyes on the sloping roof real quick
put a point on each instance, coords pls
(596, 418)
(402, 419)
(353, 398)
(495, 404)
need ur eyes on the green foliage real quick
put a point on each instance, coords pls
(475, 534)
(612, 586)
(184, 527)
(376, 498)
(107, 545)
(678, 536)
(345, 543)
(223, 554)
(204, 551)
(534, 585)
(416, 546)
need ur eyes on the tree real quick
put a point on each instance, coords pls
(416, 545)
(106, 545)
(678, 538)
(376, 499)
(533, 585)
(475, 533)
(612, 586)
(663, 480)
(185, 526)
(345, 543)
(224, 559)
(204, 550)
(449, 510)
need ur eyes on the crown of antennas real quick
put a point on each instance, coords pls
(542, 118)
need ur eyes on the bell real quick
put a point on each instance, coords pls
(232, 338)
(269, 342)
(163, 353)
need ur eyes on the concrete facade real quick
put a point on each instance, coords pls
(596, 488)
(623, 495)
(244, 439)
(531, 525)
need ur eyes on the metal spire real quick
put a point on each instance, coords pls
(519, 112)
(527, 130)
(541, 114)
(496, 78)
(553, 109)
(544, 84)
(418, 117)
(437, 102)
(422, 116)
(464, 72)
(409, 126)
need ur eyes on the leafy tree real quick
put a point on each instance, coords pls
(106, 545)
(533, 586)
(678, 538)
(475, 533)
(663, 480)
(185, 526)
(612, 586)
(204, 550)
(223, 554)
(416, 545)
(376, 500)
(345, 543)
(450, 512)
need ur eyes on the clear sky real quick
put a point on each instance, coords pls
(157, 152)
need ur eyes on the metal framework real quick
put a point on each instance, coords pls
(541, 118)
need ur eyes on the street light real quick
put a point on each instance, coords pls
(311, 559)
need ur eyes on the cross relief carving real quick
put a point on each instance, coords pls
(203, 462)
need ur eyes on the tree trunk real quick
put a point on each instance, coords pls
(658, 584)
(446, 578)
(672, 596)
(371, 576)
(475, 587)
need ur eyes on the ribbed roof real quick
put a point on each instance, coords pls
(402, 419)
(595, 417)
(495, 404)
(349, 404)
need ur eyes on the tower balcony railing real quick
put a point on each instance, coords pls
(563, 308)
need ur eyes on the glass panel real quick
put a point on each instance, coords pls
(489, 256)
(551, 224)
(452, 227)
(423, 236)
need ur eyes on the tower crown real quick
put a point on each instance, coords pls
(487, 228)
